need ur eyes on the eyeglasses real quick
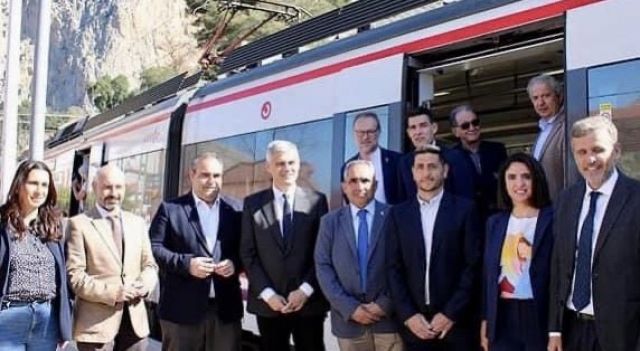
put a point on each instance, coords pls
(362, 133)
(467, 125)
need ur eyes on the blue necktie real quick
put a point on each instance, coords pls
(287, 220)
(582, 284)
(363, 247)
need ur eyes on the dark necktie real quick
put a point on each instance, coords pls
(582, 284)
(363, 247)
(287, 220)
(116, 232)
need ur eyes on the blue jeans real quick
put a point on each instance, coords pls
(30, 327)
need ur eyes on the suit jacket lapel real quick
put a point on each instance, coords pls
(192, 215)
(378, 220)
(440, 224)
(544, 220)
(346, 227)
(619, 197)
(301, 207)
(497, 241)
(103, 228)
(416, 234)
(269, 213)
(575, 205)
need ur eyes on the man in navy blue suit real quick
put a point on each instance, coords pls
(351, 236)
(195, 239)
(433, 254)
(474, 163)
(366, 132)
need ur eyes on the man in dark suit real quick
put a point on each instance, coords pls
(366, 131)
(195, 239)
(595, 291)
(545, 94)
(474, 163)
(434, 256)
(279, 231)
(421, 129)
(351, 236)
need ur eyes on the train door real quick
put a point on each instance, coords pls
(491, 74)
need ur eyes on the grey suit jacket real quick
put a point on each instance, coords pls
(337, 268)
(615, 267)
(553, 156)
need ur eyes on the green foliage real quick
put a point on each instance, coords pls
(153, 76)
(108, 92)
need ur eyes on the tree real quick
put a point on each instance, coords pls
(153, 76)
(108, 92)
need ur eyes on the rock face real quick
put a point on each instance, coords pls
(93, 38)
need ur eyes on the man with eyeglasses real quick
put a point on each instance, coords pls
(366, 132)
(474, 162)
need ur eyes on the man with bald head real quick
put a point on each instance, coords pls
(111, 269)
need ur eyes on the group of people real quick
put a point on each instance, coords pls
(439, 249)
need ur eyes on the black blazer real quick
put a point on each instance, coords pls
(615, 268)
(539, 270)
(464, 180)
(454, 261)
(390, 163)
(176, 237)
(268, 262)
(62, 301)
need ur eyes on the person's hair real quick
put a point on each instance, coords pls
(353, 163)
(279, 146)
(595, 123)
(367, 114)
(204, 156)
(539, 187)
(430, 149)
(462, 108)
(547, 80)
(418, 111)
(48, 223)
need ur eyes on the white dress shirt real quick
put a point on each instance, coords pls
(376, 159)
(428, 213)
(601, 206)
(209, 223)
(278, 206)
(545, 129)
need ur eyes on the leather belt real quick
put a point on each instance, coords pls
(582, 316)
(8, 304)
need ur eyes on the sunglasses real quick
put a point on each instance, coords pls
(467, 125)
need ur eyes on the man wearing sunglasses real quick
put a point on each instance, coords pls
(474, 162)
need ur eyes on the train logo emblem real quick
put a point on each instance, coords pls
(265, 112)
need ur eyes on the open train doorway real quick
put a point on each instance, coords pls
(491, 74)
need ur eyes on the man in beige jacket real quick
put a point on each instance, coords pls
(111, 269)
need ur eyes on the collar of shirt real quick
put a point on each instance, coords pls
(105, 213)
(200, 202)
(606, 188)
(546, 123)
(277, 194)
(370, 208)
(435, 201)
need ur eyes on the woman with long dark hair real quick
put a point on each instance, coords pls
(517, 260)
(35, 313)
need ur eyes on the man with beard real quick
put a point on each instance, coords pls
(595, 292)
(366, 132)
(195, 239)
(279, 231)
(111, 269)
(433, 256)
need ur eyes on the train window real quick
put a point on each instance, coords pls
(144, 180)
(614, 90)
(350, 147)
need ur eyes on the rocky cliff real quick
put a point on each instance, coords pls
(93, 38)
